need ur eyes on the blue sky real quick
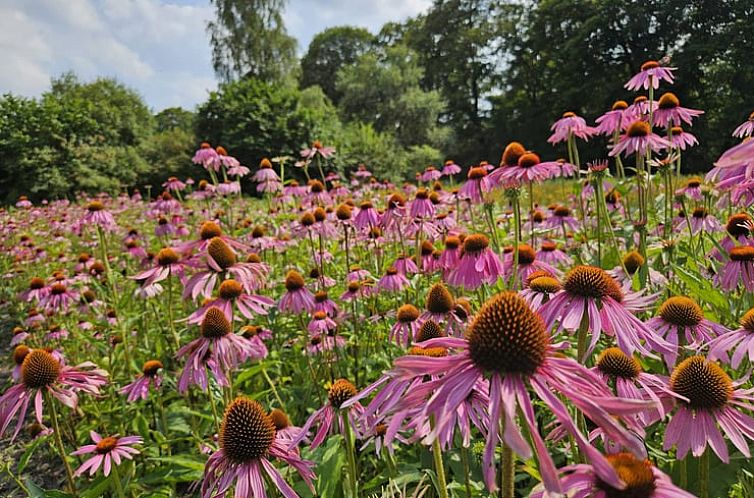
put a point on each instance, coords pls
(157, 47)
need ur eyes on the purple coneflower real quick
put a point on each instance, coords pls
(639, 477)
(392, 280)
(317, 149)
(527, 263)
(741, 339)
(248, 438)
(551, 254)
(680, 316)
(651, 74)
(174, 184)
(746, 128)
(476, 187)
(680, 139)
(739, 269)
(637, 139)
(139, 389)
(613, 121)
(340, 391)
(570, 125)
(508, 343)
(450, 168)
(669, 112)
(167, 264)
(43, 373)
(297, 297)
(713, 399)
(108, 452)
(591, 296)
(218, 349)
(692, 189)
(479, 264)
(406, 325)
(96, 214)
(266, 177)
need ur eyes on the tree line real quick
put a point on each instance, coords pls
(456, 82)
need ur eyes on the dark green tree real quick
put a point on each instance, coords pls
(253, 119)
(249, 39)
(382, 88)
(329, 51)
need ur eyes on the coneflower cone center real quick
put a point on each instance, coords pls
(703, 382)
(221, 253)
(638, 129)
(637, 474)
(230, 289)
(341, 391)
(439, 299)
(279, 419)
(681, 311)
(106, 445)
(615, 363)
(247, 432)
(633, 261)
(506, 336)
(210, 230)
(406, 313)
(742, 253)
(592, 282)
(747, 321)
(39, 369)
(429, 330)
(167, 256)
(475, 243)
(215, 325)
(151, 367)
(736, 225)
(547, 285)
(526, 254)
(436, 352)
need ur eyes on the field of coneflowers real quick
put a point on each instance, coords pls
(459, 335)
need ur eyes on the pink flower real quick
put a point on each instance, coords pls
(476, 186)
(218, 350)
(139, 389)
(508, 344)
(713, 399)
(637, 139)
(109, 451)
(167, 264)
(680, 139)
(739, 269)
(450, 168)
(613, 120)
(42, 372)
(570, 125)
(641, 479)
(248, 439)
(651, 74)
(297, 297)
(96, 214)
(392, 280)
(746, 128)
(741, 339)
(590, 294)
(479, 264)
(317, 149)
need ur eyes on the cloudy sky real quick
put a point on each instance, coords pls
(158, 47)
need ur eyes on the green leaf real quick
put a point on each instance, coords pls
(24, 460)
(330, 468)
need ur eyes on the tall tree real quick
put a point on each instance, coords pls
(249, 39)
(382, 88)
(329, 51)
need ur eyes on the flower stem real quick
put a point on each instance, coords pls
(59, 441)
(704, 474)
(439, 469)
(466, 470)
(353, 478)
(118, 486)
(507, 467)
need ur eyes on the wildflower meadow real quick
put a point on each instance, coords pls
(546, 325)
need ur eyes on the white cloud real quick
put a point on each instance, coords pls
(158, 47)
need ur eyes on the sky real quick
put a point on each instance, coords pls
(157, 47)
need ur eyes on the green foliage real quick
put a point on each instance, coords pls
(253, 119)
(77, 136)
(249, 39)
(328, 52)
(382, 88)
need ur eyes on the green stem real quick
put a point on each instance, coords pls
(353, 477)
(439, 468)
(116, 479)
(59, 441)
(704, 474)
(466, 470)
